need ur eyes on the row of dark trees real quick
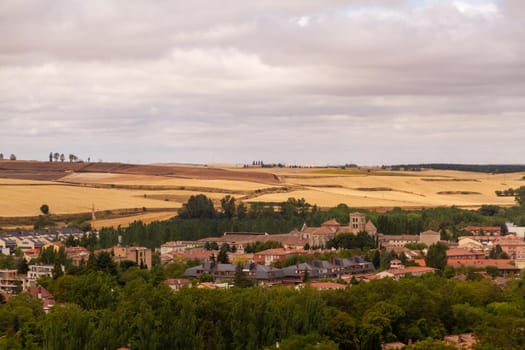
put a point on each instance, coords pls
(60, 156)
(481, 168)
(11, 157)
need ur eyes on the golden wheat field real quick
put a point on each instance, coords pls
(78, 192)
(126, 220)
(26, 200)
(400, 189)
(161, 181)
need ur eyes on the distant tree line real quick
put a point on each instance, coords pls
(480, 168)
(11, 157)
(60, 156)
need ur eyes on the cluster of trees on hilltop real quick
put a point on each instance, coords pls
(11, 157)
(60, 156)
(133, 308)
(480, 168)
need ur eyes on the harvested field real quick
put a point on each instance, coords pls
(54, 171)
(111, 186)
(26, 200)
(161, 181)
(22, 182)
(181, 196)
(377, 190)
(126, 220)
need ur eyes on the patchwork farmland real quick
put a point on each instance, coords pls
(151, 192)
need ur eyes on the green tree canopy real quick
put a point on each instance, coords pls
(44, 208)
(198, 207)
(437, 256)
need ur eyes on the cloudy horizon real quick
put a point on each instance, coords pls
(317, 82)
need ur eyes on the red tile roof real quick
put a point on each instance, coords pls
(281, 251)
(461, 252)
(332, 222)
(410, 270)
(504, 264)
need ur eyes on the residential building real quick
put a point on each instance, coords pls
(429, 237)
(31, 239)
(396, 264)
(55, 245)
(519, 231)
(392, 241)
(483, 230)
(37, 271)
(470, 244)
(9, 281)
(294, 274)
(31, 254)
(78, 255)
(239, 240)
(464, 341)
(513, 246)
(270, 256)
(397, 271)
(39, 292)
(7, 245)
(505, 266)
(178, 246)
(462, 254)
(140, 255)
(177, 283)
(191, 254)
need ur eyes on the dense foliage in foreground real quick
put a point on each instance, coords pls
(137, 310)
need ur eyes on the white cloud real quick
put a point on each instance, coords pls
(306, 81)
(477, 9)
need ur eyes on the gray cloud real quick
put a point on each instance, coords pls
(316, 81)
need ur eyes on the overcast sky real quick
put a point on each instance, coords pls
(297, 81)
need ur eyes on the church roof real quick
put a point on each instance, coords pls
(370, 227)
(332, 222)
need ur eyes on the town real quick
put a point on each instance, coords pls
(304, 257)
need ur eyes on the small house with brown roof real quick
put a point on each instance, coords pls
(405, 271)
(269, 256)
(39, 292)
(177, 283)
(462, 254)
(77, 255)
(464, 341)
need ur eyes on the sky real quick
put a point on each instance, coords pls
(292, 81)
